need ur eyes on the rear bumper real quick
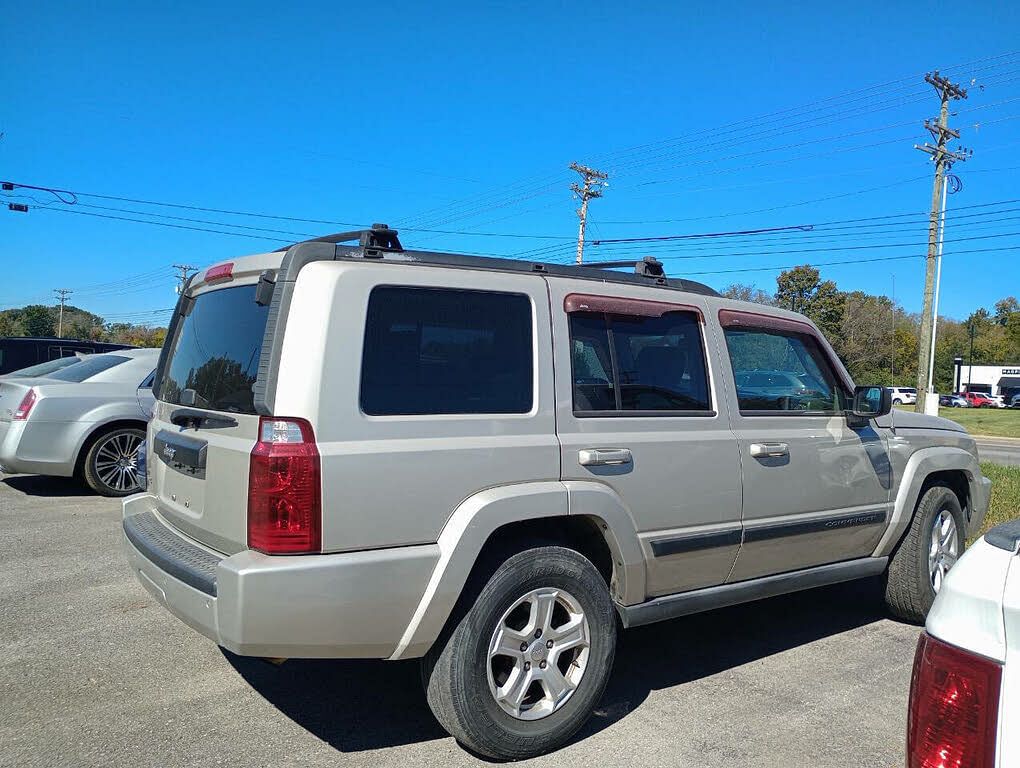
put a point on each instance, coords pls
(349, 605)
(35, 448)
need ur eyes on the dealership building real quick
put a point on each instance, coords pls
(991, 379)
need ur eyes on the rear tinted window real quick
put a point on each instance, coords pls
(622, 363)
(215, 351)
(88, 368)
(433, 351)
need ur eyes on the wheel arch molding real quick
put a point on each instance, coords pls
(518, 511)
(924, 468)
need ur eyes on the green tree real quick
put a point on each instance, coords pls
(1006, 309)
(744, 292)
(37, 320)
(802, 290)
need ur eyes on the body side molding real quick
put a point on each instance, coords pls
(698, 600)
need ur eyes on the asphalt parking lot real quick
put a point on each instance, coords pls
(94, 673)
(1000, 450)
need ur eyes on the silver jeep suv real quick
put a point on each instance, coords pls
(365, 451)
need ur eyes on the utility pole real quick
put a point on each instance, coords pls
(892, 345)
(594, 182)
(970, 357)
(182, 278)
(62, 294)
(943, 159)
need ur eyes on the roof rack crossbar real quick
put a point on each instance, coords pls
(379, 238)
(649, 266)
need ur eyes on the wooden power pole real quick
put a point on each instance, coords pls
(182, 278)
(594, 182)
(62, 294)
(944, 159)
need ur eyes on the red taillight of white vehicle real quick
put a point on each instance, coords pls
(284, 489)
(22, 411)
(954, 707)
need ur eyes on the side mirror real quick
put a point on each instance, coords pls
(870, 402)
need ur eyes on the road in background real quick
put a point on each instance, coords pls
(999, 450)
(94, 673)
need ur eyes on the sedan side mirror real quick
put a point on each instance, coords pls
(870, 402)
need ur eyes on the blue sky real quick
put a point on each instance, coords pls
(464, 117)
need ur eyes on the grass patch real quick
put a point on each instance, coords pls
(994, 422)
(997, 422)
(1005, 504)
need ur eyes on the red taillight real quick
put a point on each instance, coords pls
(219, 272)
(22, 411)
(954, 707)
(284, 489)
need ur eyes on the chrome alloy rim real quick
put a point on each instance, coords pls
(944, 548)
(538, 653)
(117, 461)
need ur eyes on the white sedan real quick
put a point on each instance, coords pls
(86, 420)
(965, 691)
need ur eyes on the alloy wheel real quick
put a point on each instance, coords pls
(538, 653)
(116, 461)
(943, 549)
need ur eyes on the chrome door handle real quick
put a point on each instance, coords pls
(769, 450)
(596, 457)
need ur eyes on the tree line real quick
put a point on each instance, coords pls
(878, 342)
(40, 320)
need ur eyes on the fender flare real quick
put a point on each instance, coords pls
(480, 515)
(919, 466)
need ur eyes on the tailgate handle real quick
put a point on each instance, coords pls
(185, 417)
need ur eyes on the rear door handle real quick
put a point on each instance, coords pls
(596, 457)
(769, 450)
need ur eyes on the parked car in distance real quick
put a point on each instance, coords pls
(965, 687)
(488, 464)
(22, 351)
(85, 420)
(903, 395)
(1015, 401)
(998, 401)
(43, 369)
(953, 401)
(979, 400)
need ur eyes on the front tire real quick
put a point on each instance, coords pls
(928, 550)
(525, 665)
(111, 464)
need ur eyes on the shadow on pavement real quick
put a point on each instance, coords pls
(361, 705)
(45, 485)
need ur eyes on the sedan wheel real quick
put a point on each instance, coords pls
(111, 466)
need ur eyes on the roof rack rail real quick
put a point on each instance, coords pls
(379, 238)
(649, 266)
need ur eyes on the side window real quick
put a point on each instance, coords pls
(436, 351)
(779, 371)
(626, 363)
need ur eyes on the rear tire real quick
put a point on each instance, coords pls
(929, 548)
(535, 696)
(110, 467)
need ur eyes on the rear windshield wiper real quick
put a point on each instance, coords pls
(186, 417)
